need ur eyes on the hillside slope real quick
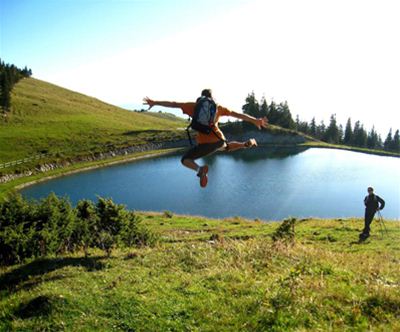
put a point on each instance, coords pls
(51, 119)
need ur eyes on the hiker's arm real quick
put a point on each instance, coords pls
(380, 200)
(151, 103)
(259, 123)
(187, 108)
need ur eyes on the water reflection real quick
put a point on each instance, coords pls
(266, 152)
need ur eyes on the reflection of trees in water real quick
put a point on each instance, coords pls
(260, 153)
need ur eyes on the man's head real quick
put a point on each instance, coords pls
(206, 93)
(370, 190)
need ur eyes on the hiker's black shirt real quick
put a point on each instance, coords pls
(372, 203)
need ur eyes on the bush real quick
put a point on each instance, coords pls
(285, 232)
(86, 225)
(52, 226)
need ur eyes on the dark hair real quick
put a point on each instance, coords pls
(370, 189)
(206, 93)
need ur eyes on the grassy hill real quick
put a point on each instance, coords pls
(65, 124)
(215, 275)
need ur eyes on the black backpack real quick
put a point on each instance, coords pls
(203, 119)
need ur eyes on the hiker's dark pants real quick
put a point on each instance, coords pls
(369, 216)
(202, 150)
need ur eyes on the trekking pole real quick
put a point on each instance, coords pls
(382, 223)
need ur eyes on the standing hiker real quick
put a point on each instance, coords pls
(373, 203)
(206, 114)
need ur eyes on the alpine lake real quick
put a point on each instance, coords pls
(267, 183)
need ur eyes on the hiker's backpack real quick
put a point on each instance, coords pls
(203, 118)
(204, 115)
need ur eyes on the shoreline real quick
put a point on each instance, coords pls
(26, 181)
(29, 180)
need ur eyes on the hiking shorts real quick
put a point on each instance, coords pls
(202, 150)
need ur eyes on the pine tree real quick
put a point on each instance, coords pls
(332, 133)
(313, 128)
(359, 135)
(264, 108)
(9, 76)
(297, 122)
(5, 98)
(348, 133)
(388, 141)
(251, 107)
(372, 140)
(321, 130)
(396, 142)
(273, 114)
(285, 119)
(341, 134)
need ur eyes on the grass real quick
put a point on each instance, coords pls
(66, 124)
(320, 144)
(215, 275)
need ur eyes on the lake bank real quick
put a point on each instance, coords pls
(321, 281)
(270, 183)
(50, 171)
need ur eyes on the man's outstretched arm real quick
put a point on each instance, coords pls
(151, 103)
(259, 123)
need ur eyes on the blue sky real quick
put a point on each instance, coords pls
(322, 56)
(55, 33)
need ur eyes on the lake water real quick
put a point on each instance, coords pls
(265, 183)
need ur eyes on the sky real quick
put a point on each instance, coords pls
(321, 56)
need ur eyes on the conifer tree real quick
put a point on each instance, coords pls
(285, 119)
(348, 133)
(396, 142)
(332, 132)
(251, 107)
(273, 113)
(313, 128)
(388, 141)
(372, 140)
(264, 108)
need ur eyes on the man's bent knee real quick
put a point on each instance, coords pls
(183, 160)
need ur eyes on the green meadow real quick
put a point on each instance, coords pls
(201, 274)
(64, 124)
(215, 275)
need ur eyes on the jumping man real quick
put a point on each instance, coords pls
(208, 143)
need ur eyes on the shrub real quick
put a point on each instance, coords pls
(86, 225)
(168, 214)
(52, 226)
(285, 232)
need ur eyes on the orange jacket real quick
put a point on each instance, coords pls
(188, 108)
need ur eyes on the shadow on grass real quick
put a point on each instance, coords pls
(38, 306)
(29, 275)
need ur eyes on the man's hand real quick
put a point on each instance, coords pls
(148, 101)
(261, 122)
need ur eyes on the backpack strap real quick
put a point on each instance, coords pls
(188, 134)
(188, 131)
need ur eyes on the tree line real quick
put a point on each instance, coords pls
(9, 76)
(334, 133)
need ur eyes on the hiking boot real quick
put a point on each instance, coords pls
(363, 237)
(202, 174)
(250, 143)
